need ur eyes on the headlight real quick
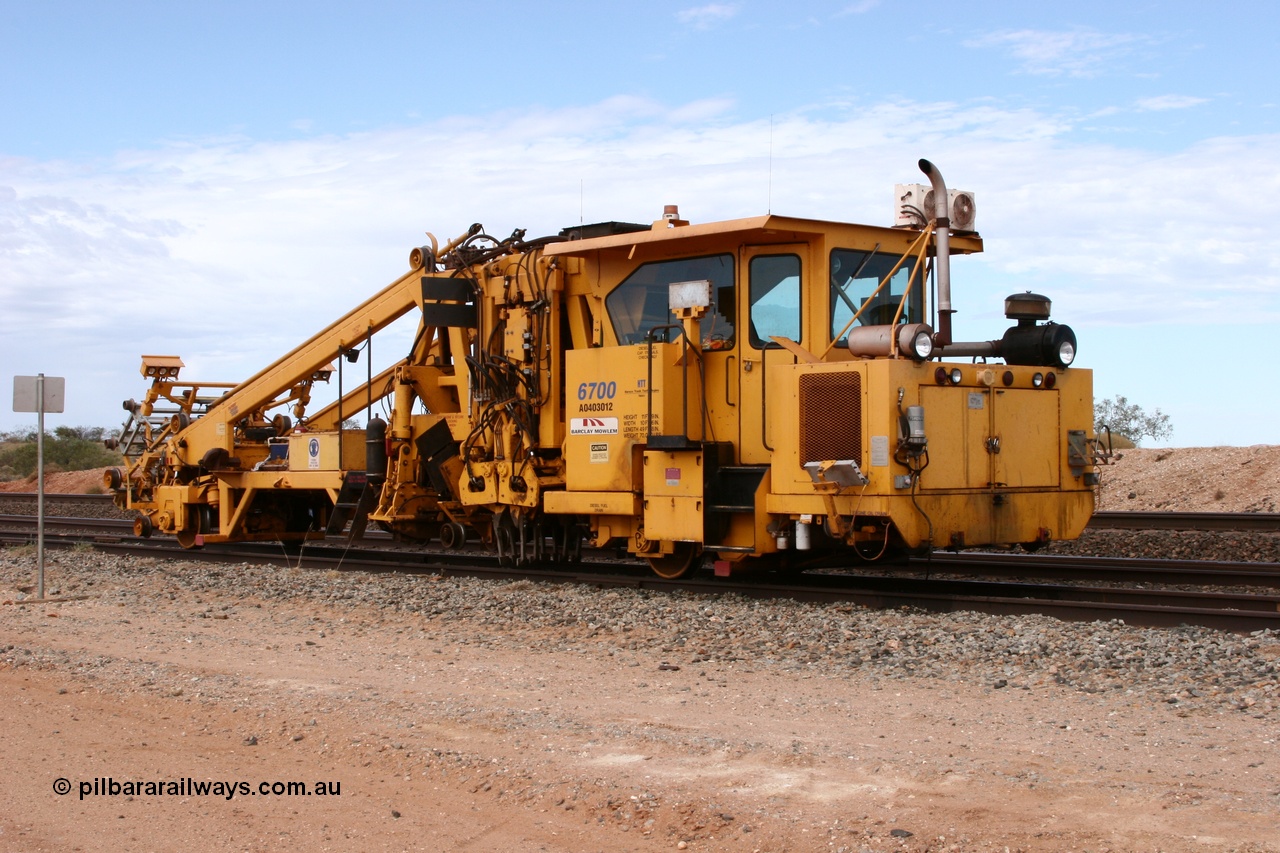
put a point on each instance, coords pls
(921, 346)
(1049, 345)
(1067, 352)
(915, 340)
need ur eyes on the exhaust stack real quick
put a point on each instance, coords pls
(943, 231)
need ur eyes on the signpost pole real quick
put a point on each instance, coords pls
(40, 485)
(39, 394)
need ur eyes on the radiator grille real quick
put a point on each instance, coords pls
(831, 417)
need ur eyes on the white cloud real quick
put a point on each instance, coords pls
(1074, 53)
(1169, 102)
(705, 17)
(859, 8)
(231, 252)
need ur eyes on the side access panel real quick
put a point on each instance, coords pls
(1031, 439)
(674, 508)
(957, 422)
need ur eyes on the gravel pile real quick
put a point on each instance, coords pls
(61, 507)
(1189, 667)
(1220, 546)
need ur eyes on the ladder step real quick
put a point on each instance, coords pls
(346, 507)
(368, 500)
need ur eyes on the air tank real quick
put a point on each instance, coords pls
(375, 450)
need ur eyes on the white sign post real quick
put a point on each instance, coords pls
(39, 394)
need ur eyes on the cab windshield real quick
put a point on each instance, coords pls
(639, 303)
(856, 274)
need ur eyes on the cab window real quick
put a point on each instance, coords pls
(855, 275)
(639, 303)
(775, 298)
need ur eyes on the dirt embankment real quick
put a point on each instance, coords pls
(60, 483)
(1193, 479)
(1180, 479)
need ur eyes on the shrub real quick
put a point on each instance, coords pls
(67, 449)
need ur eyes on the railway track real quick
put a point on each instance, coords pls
(1235, 521)
(1227, 596)
(1109, 569)
(25, 502)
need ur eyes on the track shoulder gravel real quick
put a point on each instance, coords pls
(626, 719)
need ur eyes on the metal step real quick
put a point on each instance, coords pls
(354, 503)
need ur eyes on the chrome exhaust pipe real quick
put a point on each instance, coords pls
(943, 231)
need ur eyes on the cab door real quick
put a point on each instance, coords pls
(772, 294)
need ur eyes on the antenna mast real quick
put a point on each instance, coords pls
(769, 205)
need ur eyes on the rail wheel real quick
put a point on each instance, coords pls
(678, 563)
(201, 522)
(452, 535)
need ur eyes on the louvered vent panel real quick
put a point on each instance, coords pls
(831, 417)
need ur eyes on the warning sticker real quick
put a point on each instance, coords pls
(673, 476)
(593, 426)
(599, 452)
(313, 454)
(879, 451)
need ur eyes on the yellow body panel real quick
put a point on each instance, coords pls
(617, 398)
(319, 451)
(997, 470)
(673, 495)
(592, 503)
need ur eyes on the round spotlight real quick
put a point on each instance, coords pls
(922, 345)
(940, 376)
(1067, 352)
(1050, 380)
(1037, 380)
(1050, 345)
(956, 376)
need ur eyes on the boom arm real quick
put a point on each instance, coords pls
(216, 428)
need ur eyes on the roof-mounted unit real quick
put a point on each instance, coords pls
(913, 207)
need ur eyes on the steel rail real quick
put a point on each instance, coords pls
(1109, 520)
(1269, 521)
(1007, 565)
(1226, 611)
(57, 496)
(99, 525)
(1117, 569)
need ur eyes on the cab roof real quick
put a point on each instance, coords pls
(768, 229)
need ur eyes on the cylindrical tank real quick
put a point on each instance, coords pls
(803, 533)
(375, 450)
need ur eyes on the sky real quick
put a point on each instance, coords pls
(220, 181)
